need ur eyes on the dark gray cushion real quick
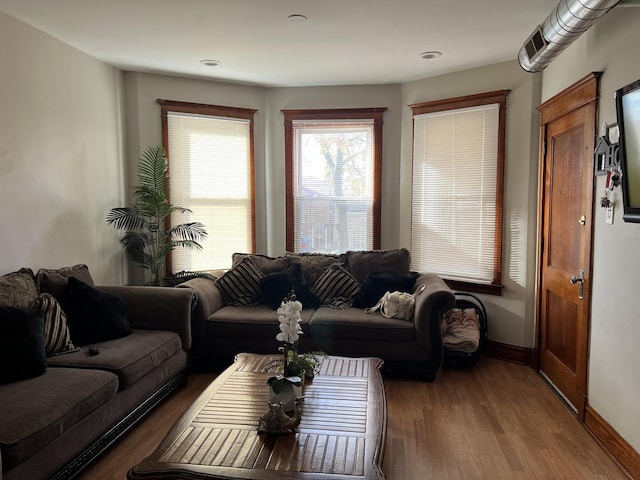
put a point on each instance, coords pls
(314, 264)
(130, 358)
(397, 261)
(54, 281)
(354, 323)
(256, 321)
(18, 289)
(38, 410)
(263, 263)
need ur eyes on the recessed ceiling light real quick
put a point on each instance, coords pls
(297, 18)
(430, 54)
(210, 63)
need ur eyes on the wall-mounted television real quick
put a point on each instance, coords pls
(628, 115)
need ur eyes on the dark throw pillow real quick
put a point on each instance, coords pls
(94, 315)
(22, 352)
(276, 286)
(375, 285)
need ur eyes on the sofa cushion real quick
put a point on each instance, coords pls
(38, 410)
(240, 286)
(22, 353)
(354, 323)
(314, 264)
(94, 315)
(276, 286)
(377, 283)
(57, 338)
(18, 289)
(54, 281)
(256, 321)
(263, 263)
(396, 261)
(130, 358)
(336, 287)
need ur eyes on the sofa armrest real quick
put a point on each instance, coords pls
(158, 308)
(435, 299)
(208, 300)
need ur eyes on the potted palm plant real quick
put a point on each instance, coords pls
(146, 238)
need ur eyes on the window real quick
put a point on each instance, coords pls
(333, 162)
(210, 152)
(458, 163)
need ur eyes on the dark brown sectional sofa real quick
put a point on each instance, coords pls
(336, 323)
(56, 418)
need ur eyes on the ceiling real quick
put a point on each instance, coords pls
(342, 42)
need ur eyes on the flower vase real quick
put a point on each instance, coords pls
(286, 396)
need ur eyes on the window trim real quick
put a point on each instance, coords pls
(375, 114)
(167, 106)
(496, 97)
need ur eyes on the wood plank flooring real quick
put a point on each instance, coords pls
(495, 421)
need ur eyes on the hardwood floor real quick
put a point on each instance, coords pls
(495, 421)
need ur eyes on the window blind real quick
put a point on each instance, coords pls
(455, 155)
(210, 173)
(333, 188)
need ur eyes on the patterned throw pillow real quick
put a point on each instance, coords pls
(240, 286)
(336, 287)
(18, 289)
(57, 338)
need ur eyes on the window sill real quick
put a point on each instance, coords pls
(474, 287)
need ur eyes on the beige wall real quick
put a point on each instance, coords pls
(511, 316)
(60, 155)
(143, 127)
(334, 97)
(61, 169)
(610, 46)
(143, 120)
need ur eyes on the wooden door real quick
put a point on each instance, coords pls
(568, 128)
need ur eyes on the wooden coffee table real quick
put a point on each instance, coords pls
(341, 436)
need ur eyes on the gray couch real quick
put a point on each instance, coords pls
(333, 324)
(54, 423)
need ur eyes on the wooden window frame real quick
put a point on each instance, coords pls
(496, 97)
(375, 114)
(248, 114)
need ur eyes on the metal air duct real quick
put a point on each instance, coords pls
(566, 22)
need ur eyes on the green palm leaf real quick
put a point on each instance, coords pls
(144, 239)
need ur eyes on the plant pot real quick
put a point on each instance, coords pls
(287, 396)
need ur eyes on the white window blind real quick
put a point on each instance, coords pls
(455, 155)
(210, 173)
(333, 188)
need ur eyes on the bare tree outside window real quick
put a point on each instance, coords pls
(333, 164)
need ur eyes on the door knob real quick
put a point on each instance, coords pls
(580, 280)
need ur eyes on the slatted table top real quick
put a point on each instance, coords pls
(341, 435)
